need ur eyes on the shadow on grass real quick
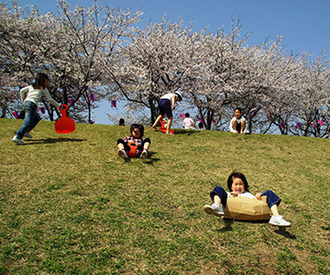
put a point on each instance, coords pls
(150, 160)
(282, 231)
(54, 140)
(180, 132)
(227, 226)
(185, 132)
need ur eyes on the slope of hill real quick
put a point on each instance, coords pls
(70, 205)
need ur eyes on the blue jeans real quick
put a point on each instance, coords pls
(31, 119)
(272, 198)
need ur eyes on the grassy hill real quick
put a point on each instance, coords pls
(70, 205)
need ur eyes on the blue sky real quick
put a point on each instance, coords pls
(304, 24)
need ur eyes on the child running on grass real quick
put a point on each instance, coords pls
(238, 186)
(165, 105)
(135, 139)
(30, 106)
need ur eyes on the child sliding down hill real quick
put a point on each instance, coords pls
(238, 186)
(135, 139)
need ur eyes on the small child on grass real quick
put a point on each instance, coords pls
(188, 123)
(31, 96)
(237, 123)
(165, 105)
(238, 186)
(135, 139)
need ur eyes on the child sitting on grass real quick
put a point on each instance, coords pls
(238, 186)
(237, 123)
(188, 123)
(135, 139)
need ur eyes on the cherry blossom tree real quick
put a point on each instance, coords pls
(92, 35)
(69, 47)
(313, 97)
(156, 61)
(268, 83)
(95, 51)
(17, 54)
(216, 68)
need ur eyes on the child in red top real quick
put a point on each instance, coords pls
(135, 139)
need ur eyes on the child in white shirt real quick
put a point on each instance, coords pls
(238, 186)
(30, 106)
(188, 123)
(166, 104)
(237, 123)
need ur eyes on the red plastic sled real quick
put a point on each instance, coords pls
(163, 128)
(64, 125)
(132, 152)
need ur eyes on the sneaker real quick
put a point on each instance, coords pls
(144, 154)
(27, 135)
(17, 140)
(214, 209)
(279, 221)
(123, 154)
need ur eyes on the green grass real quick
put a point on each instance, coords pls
(70, 205)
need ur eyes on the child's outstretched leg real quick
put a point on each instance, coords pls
(273, 202)
(243, 124)
(159, 118)
(219, 197)
(30, 121)
(277, 219)
(214, 209)
(121, 150)
(168, 128)
(235, 123)
(146, 147)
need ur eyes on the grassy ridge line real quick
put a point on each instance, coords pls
(69, 204)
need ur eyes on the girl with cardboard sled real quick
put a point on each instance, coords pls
(247, 206)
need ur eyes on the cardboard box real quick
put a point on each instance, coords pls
(247, 209)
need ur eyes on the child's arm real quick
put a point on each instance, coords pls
(127, 140)
(50, 99)
(258, 196)
(23, 92)
(173, 102)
